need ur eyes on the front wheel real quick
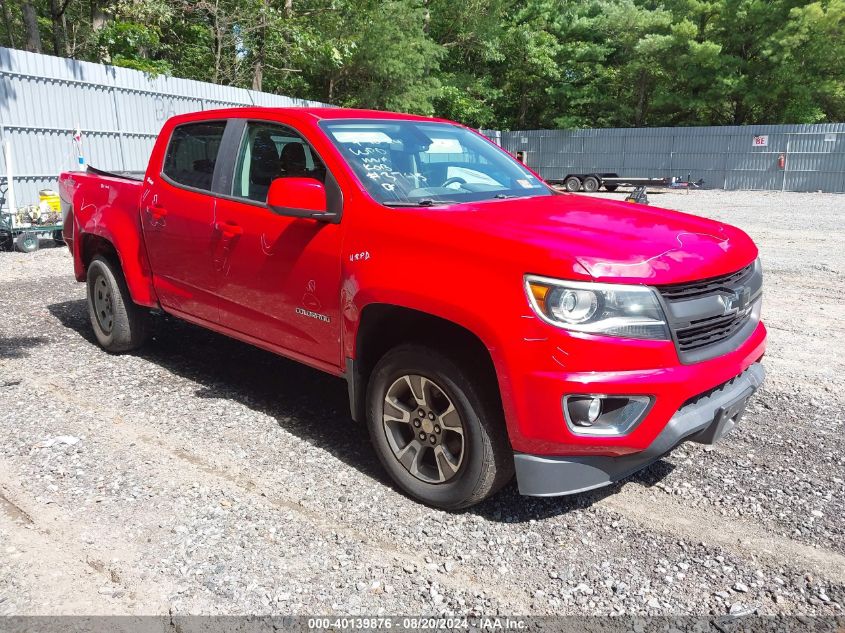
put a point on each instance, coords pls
(119, 324)
(437, 432)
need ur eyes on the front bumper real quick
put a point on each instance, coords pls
(704, 419)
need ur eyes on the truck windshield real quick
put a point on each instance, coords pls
(416, 163)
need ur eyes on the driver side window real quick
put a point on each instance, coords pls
(272, 151)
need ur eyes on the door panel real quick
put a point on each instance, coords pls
(278, 277)
(177, 217)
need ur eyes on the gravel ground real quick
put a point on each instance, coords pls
(206, 476)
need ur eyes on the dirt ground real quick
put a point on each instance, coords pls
(201, 475)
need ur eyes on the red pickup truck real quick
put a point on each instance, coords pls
(486, 324)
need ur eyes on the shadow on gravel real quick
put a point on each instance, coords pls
(308, 403)
(74, 316)
(17, 346)
(303, 401)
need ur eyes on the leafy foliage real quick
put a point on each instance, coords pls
(488, 63)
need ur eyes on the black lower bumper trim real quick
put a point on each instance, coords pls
(706, 420)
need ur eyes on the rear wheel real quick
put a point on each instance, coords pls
(119, 324)
(591, 184)
(436, 433)
(572, 184)
(27, 242)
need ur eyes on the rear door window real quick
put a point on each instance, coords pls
(192, 154)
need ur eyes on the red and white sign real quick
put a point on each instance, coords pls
(761, 141)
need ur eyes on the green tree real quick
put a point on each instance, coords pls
(387, 60)
(133, 37)
(488, 63)
(808, 53)
(470, 34)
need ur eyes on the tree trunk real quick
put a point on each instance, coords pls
(258, 75)
(642, 103)
(66, 38)
(288, 8)
(738, 113)
(260, 50)
(7, 21)
(218, 51)
(56, 13)
(98, 16)
(33, 34)
(521, 114)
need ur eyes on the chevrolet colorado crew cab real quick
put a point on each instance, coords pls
(486, 324)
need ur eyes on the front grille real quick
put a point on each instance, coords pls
(679, 292)
(710, 331)
(706, 315)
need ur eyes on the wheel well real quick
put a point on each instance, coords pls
(93, 245)
(383, 327)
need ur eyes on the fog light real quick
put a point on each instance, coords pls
(583, 410)
(596, 414)
(593, 411)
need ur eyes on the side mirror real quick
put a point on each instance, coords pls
(299, 198)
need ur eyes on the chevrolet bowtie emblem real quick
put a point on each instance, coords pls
(736, 301)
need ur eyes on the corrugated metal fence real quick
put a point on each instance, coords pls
(44, 99)
(736, 157)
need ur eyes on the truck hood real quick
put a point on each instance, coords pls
(617, 241)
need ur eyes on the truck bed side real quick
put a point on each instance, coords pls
(101, 214)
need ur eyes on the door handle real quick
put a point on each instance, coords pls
(228, 229)
(156, 214)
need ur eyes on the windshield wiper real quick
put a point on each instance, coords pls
(502, 196)
(425, 202)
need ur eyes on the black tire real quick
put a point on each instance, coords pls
(572, 184)
(27, 242)
(591, 184)
(611, 187)
(58, 238)
(119, 324)
(486, 462)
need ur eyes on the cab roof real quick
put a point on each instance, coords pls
(321, 113)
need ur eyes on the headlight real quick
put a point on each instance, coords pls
(608, 309)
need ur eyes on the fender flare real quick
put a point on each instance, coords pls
(355, 374)
(125, 237)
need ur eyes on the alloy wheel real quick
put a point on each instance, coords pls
(424, 429)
